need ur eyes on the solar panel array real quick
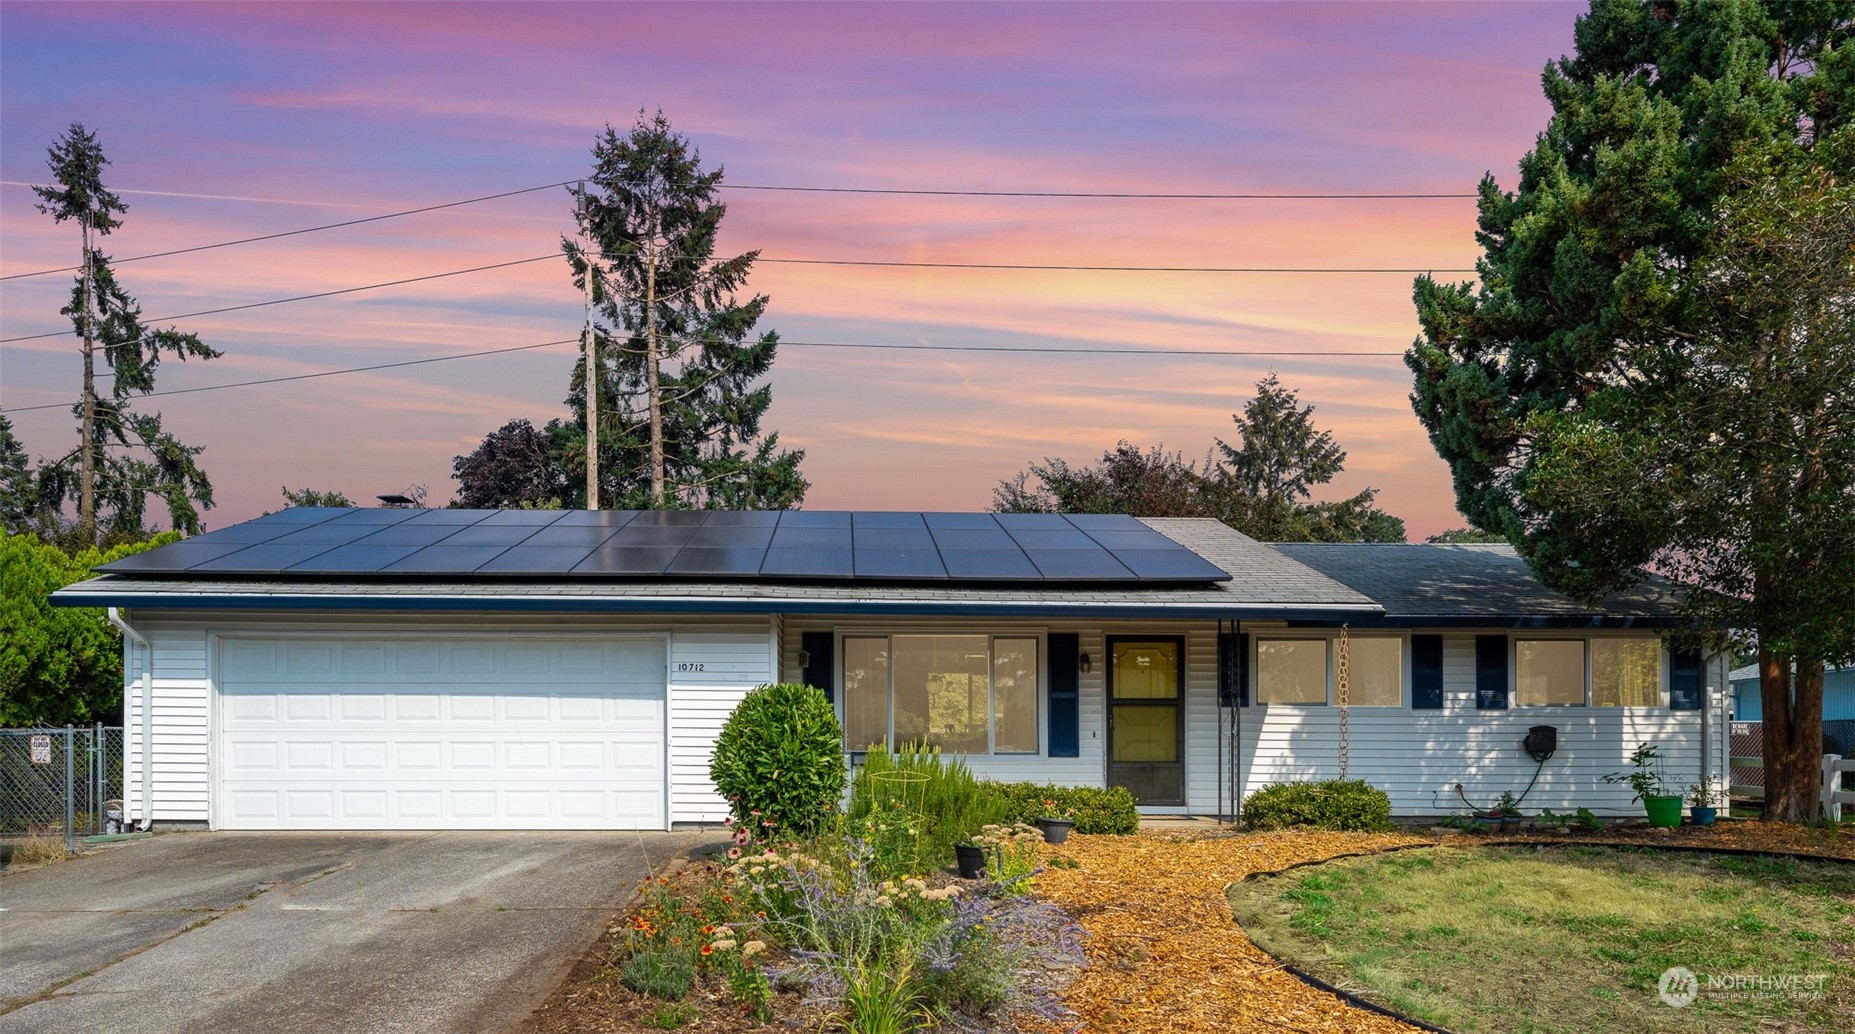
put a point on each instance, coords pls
(689, 545)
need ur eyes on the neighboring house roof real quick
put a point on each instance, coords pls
(1306, 583)
(1749, 673)
(1260, 583)
(1474, 585)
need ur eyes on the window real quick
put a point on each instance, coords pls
(1304, 671)
(963, 693)
(1626, 673)
(1607, 672)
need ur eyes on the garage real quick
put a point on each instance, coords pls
(459, 731)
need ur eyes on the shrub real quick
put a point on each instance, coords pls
(781, 757)
(913, 805)
(1344, 804)
(1094, 809)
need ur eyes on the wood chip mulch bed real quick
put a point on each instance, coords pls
(1163, 952)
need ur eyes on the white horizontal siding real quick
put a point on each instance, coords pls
(710, 671)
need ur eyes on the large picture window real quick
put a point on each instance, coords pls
(1304, 671)
(1606, 672)
(962, 693)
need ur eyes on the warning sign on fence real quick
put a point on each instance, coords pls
(41, 750)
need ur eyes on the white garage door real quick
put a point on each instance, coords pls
(441, 733)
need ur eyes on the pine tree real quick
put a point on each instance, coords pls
(1655, 368)
(680, 400)
(122, 457)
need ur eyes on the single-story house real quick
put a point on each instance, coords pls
(1838, 694)
(403, 668)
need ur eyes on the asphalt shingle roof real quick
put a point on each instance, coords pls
(1469, 584)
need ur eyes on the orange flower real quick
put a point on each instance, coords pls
(708, 949)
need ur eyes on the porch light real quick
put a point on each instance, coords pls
(1083, 664)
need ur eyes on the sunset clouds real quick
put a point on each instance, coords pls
(246, 119)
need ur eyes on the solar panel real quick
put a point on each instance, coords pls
(735, 562)
(355, 559)
(268, 558)
(539, 560)
(1078, 565)
(822, 538)
(807, 563)
(731, 536)
(627, 560)
(898, 563)
(723, 545)
(892, 538)
(487, 534)
(409, 534)
(446, 559)
(990, 565)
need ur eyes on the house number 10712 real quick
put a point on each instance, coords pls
(688, 665)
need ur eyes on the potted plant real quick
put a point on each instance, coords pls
(1645, 777)
(971, 859)
(1509, 811)
(1057, 823)
(1703, 798)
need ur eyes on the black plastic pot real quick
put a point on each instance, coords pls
(1055, 831)
(971, 860)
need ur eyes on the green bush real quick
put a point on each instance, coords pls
(780, 758)
(1094, 809)
(1344, 804)
(913, 805)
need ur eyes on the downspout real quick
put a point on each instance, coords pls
(146, 681)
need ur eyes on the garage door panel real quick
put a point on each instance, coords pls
(438, 733)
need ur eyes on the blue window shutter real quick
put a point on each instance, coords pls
(1426, 671)
(1491, 672)
(1065, 695)
(1684, 681)
(821, 651)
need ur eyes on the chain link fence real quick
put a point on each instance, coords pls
(61, 781)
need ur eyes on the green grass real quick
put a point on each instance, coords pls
(1571, 939)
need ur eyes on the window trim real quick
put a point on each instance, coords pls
(1332, 639)
(1663, 671)
(1040, 695)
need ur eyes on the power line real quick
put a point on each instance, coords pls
(306, 229)
(299, 298)
(1123, 195)
(795, 262)
(1106, 269)
(1055, 350)
(1136, 195)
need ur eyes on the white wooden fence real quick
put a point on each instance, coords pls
(1834, 796)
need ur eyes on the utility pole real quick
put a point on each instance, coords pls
(592, 357)
(87, 476)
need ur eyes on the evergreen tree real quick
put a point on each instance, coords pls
(680, 403)
(122, 457)
(1655, 370)
(19, 488)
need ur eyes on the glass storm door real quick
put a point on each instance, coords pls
(1146, 684)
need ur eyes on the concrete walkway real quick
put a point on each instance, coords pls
(359, 933)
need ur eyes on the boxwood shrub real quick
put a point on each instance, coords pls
(1095, 810)
(781, 755)
(1344, 804)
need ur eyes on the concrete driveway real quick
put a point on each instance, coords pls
(329, 932)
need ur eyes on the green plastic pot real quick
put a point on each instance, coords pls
(1664, 812)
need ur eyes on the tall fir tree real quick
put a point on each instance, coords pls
(122, 457)
(1655, 368)
(681, 398)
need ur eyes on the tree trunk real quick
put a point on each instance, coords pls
(87, 427)
(1793, 735)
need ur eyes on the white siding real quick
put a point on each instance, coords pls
(710, 671)
(733, 656)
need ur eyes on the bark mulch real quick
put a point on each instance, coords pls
(1163, 951)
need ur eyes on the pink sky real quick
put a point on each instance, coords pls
(232, 120)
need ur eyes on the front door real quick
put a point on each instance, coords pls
(1146, 685)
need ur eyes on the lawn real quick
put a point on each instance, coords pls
(1573, 938)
